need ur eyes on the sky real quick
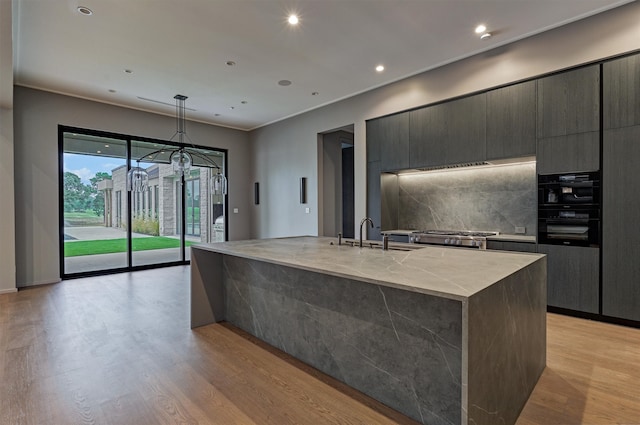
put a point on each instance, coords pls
(86, 166)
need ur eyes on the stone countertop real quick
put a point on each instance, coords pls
(512, 238)
(448, 272)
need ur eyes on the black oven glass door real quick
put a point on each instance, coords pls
(567, 232)
(569, 227)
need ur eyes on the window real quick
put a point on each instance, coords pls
(142, 229)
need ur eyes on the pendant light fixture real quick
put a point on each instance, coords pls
(180, 158)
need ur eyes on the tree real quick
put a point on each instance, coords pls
(98, 199)
(77, 195)
(100, 175)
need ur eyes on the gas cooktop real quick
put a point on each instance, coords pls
(462, 238)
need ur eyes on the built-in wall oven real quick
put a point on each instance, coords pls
(569, 209)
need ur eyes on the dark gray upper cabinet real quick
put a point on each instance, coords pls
(427, 135)
(511, 121)
(621, 92)
(374, 139)
(568, 154)
(569, 103)
(621, 223)
(573, 277)
(388, 140)
(449, 133)
(467, 129)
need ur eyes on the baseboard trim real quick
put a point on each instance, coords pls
(8, 291)
(34, 284)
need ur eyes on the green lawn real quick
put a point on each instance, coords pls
(80, 218)
(109, 246)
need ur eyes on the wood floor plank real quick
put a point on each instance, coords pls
(118, 350)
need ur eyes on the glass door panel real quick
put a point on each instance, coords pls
(94, 204)
(155, 236)
(205, 221)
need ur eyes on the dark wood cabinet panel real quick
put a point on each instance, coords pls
(573, 277)
(428, 135)
(373, 199)
(567, 154)
(466, 138)
(449, 133)
(391, 136)
(621, 224)
(374, 139)
(511, 121)
(569, 103)
(512, 246)
(621, 92)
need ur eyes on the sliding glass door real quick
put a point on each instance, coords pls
(106, 227)
(93, 208)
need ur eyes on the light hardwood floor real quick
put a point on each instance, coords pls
(118, 350)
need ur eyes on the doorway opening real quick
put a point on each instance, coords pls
(336, 164)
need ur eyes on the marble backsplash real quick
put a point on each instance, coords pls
(496, 198)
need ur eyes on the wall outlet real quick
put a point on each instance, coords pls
(520, 230)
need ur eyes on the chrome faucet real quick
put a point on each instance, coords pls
(364, 220)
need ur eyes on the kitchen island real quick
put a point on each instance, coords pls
(443, 335)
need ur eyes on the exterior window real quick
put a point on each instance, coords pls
(118, 217)
(156, 194)
(149, 196)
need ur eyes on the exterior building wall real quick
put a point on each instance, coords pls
(119, 179)
(166, 210)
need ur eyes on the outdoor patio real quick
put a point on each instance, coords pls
(87, 263)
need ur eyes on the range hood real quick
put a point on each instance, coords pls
(469, 165)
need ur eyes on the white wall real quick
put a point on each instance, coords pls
(7, 214)
(37, 115)
(287, 150)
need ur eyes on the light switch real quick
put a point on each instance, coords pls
(235, 211)
(306, 210)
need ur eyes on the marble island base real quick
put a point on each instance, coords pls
(438, 359)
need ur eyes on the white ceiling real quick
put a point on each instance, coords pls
(182, 46)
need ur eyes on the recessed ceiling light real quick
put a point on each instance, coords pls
(232, 107)
(293, 19)
(216, 115)
(485, 35)
(84, 10)
(128, 71)
(379, 68)
(98, 151)
(284, 83)
(112, 91)
(315, 93)
(244, 102)
(230, 63)
(480, 29)
(106, 146)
